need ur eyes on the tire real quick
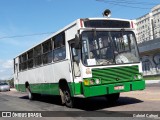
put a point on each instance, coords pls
(62, 96)
(30, 94)
(112, 98)
(67, 98)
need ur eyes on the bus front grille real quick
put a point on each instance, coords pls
(115, 74)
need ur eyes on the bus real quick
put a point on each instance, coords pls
(89, 57)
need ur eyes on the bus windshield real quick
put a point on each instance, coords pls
(109, 47)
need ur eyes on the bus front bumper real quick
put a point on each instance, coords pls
(99, 90)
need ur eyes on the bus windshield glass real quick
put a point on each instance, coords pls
(109, 47)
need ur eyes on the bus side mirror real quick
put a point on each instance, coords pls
(77, 44)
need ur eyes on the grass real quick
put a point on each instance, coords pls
(154, 77)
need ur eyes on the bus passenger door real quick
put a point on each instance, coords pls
(75, 62)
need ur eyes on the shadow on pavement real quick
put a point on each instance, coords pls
(46, 98)
(98, 103)
(89, 104)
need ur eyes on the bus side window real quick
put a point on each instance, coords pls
(30, 59)
(37, 55)
(23, 62)
(59, 52)
(47, 51)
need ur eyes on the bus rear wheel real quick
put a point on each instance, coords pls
(112, 98)
(30, 94)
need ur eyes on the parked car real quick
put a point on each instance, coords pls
(4, 87)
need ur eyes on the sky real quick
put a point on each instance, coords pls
(29, 17)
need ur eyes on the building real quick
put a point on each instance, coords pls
(148, 39)
(156, 21)
(144, 29)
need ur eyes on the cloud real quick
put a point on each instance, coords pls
(6, 69)
(8, 64)
(1, 71)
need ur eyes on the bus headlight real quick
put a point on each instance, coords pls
(135, 77)
(97, 81)
(91, 82)
(139, 76)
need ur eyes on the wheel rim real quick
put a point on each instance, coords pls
(67, 97)
(29, 95)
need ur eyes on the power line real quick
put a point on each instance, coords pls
(131, 2)
(27, 35)
(122, 3)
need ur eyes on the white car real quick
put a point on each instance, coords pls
(4, 87)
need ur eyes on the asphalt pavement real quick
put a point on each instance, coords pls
(93, 108)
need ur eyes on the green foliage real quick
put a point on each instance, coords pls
(10, 82)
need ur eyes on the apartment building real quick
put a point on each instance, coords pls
(148, 39)
(148, 25)
(156, 21)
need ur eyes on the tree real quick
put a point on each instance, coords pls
(11, 82)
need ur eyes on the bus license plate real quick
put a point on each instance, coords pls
(118, 87)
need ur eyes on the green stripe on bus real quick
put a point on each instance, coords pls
(42, 88)
(88, 91)
(115, 74)
(49, 88)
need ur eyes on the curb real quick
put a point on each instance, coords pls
(152, 81)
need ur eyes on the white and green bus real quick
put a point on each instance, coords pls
(89, 57)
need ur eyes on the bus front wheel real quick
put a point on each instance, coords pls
(67, 98)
